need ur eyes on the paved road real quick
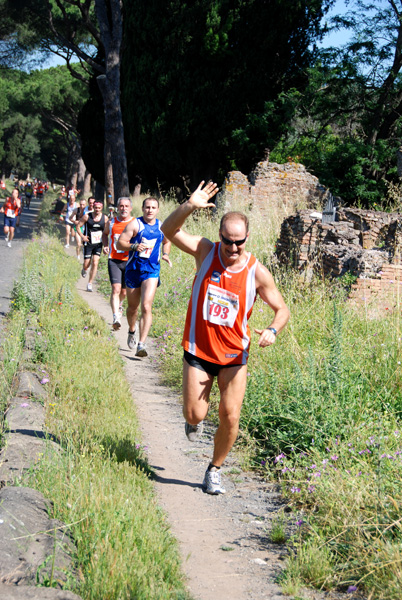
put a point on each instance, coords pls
(11, 258)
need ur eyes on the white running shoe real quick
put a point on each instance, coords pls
(116, 322)
(9, 244)
(131, 340)
(67, 246)
(7, 237)
(89, 287)
(212, 482)
(193, 432)
(141, 350)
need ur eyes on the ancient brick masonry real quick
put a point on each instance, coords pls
(271, 184)
(366, 244)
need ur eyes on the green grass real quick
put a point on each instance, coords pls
(11, 346)
(100, 484)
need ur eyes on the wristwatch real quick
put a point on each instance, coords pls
(273, 330)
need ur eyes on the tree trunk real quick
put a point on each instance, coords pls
(99, 191)
(81, 169)
(87, 183)
(72, 164)
(109, 187)
(111, 29)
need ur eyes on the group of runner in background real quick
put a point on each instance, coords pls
(134, 246)
(19, 200)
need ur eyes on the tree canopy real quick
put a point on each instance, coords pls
(347, 124)
(39, 114)
(202, 82)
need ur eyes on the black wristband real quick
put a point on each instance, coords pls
(273, 330)
(134, 247)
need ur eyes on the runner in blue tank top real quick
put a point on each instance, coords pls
(143, 238)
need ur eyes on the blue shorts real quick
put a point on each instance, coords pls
(134, 278)
(10, 221)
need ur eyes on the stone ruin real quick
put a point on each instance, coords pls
(364, 243)
(289, 186)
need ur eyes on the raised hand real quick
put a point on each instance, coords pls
(201, 197)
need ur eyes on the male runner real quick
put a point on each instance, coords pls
(94, 223)
(216, 336)
(11, 208)
(75, 217)
(117, 258)
(143, 238)
(28, 194)
(70, 207)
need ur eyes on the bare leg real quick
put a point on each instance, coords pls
(197, 386)
(11, 234)
(79, 245)
(232, 386)
(94, 268)
(133, 299)
(115, 297)
(148, 289)
(68, 232)
(86, 265)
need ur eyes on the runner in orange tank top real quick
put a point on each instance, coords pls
(216, 337)
(117, 258)
(11, 208)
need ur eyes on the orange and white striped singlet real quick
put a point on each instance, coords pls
(220, 306)
(116, 228)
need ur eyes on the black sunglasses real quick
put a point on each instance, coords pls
(230, 242)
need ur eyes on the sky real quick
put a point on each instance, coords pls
(337, 38)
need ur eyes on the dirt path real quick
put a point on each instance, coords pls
(223, 539)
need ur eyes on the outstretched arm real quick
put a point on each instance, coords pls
(171, 227)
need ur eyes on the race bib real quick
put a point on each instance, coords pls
(150, 244)
(115, 239)
(96, 237)
(10, 213)
(220, 306)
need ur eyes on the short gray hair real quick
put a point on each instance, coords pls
(123, 198)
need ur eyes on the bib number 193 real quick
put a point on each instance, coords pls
(220, 306)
